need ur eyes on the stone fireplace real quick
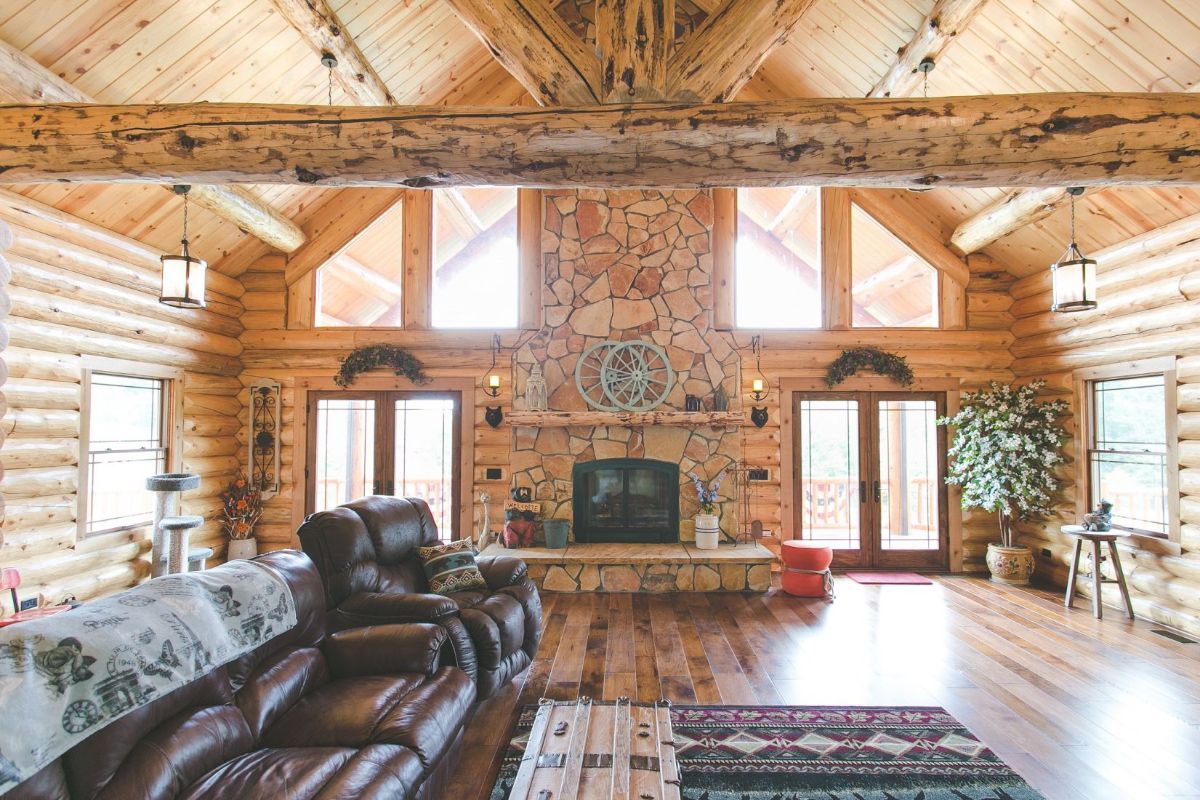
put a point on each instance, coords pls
(624, 265)
(625, 500)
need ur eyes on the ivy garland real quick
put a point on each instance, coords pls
(374, 356)
(879, 361)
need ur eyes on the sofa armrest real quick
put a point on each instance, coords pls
(385, 650)
(501, 571)
(381, 608)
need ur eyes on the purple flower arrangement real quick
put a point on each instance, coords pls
(706, 493)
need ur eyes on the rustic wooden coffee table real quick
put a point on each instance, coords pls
(580, 750)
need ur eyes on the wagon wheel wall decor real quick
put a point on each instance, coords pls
(625, 376)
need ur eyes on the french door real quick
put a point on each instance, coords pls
(404, 444)
(869, 468)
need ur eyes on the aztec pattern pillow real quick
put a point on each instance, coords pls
(451, 567)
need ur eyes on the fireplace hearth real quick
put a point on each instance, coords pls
(626, 500)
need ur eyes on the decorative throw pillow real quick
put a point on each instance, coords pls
(451, 567)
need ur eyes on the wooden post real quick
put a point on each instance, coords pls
(836, 244)
(724, 245)
(416, 308)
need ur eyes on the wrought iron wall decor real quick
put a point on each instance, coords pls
(264, 436)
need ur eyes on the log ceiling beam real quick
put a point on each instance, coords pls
(535, 44)
(1046, 139)
(634, 39)
(946, 20)
(321, 30)
(729, 46)
(22, 79)
(1006, 215)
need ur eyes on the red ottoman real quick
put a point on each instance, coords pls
(806, 568)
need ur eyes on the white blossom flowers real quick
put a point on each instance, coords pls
(1007, 446)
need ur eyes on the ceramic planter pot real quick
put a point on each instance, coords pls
(242, 548)
(556, 533)
(708, 531)
(1011, 565)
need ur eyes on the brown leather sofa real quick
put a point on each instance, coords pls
(362, 714)
(367, 554)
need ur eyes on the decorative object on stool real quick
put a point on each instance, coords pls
(241, 510)
(708, 522)
(1097, 538)
(806, 568)
(1099, 519)
(1023, 482)
(556, 533)
(167, 488)
(535, 390)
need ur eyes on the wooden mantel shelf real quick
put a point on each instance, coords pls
(564, 419)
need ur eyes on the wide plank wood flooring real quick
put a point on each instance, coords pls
(1083, 709)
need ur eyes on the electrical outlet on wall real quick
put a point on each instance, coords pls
(28, 603)
(758, 474)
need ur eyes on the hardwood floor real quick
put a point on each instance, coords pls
(1083, 709)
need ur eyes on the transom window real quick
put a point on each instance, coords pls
(1128, 452)
(126, 442)
(361, 285)
(890, 286)
(476, 258)
(777, 260)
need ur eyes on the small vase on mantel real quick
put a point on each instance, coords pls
(708, 531)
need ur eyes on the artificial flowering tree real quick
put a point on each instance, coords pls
(1007, 448)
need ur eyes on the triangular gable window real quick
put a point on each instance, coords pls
(891, 286)
(360, 286)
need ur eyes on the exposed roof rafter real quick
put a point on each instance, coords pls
(534, 44)
(945, 20)
(23, 79)
(321, 29)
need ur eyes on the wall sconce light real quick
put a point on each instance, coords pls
(493, 415)
(759, 387)
(183, 274)
(492, 384)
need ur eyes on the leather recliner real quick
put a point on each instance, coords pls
(367, 554)
(361, 714)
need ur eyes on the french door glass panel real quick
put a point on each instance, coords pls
(424, 454)
(870, 478)
(344, 458)
(404, 444)
(829, 469)
(908, 475)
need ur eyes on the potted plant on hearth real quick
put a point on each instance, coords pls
(708, 522)
(241, 511)
(1007, 446)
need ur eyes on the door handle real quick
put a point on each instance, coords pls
(378, 488)
(391, 487)
(862, 491)
(878, 496)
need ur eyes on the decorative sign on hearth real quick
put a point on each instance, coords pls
(624, 376)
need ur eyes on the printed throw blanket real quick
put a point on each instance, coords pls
(64, 677)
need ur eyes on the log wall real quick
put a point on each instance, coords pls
(78, 290)
(1149, 294)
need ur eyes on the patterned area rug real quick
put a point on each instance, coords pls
(817, 753)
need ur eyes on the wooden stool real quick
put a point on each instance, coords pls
(1098, 579)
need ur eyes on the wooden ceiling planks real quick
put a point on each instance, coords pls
(242, 50)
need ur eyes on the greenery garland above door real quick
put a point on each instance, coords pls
(881, 362)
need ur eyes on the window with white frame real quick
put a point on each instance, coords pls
(1129, 453)
(126, 440)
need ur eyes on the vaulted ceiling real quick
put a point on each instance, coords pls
(145, 51)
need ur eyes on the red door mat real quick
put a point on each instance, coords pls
(890, 578)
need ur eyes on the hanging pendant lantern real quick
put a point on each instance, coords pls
(1073, 276)
(183, 274)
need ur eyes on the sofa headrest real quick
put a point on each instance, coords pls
(397, 525)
